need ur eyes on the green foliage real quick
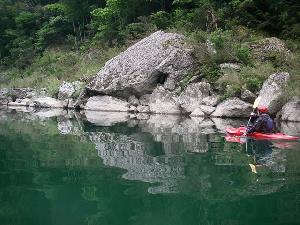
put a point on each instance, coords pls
(232, 90)
(243, 54)
(53, 87)
(254, 76)
(161, 19)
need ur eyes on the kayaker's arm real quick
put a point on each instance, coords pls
(253, 117)
(256, 125)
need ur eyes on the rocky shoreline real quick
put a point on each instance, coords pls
(145, 79)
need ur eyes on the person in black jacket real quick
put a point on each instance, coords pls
(262, 122)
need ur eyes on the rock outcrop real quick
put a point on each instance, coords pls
(106, 103)
(160, 58)
(233, 107)
(272, 90)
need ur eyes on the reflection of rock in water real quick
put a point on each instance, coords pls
(179, 134)
(123, 151)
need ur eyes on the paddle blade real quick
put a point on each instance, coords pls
(253, 168)
(256, 102)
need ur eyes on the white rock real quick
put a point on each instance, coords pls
(46, 102)
(233, 66)
(233, 107)
(106, 103)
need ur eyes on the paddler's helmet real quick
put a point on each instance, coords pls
(262, 109)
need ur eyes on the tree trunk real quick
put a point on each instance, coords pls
(75, 36)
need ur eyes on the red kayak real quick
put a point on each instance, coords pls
(241, 130)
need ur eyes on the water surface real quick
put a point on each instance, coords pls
(99, 168)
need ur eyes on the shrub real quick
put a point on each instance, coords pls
(52, 86)
(243, 54)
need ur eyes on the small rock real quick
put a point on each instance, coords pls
(132, 108)
(248, 96)
(232, 66)
(132, 100)
(207, 109)
(211, 100)
(143, 109)
(193, 95)
(144, 100)
(163, 102)
(197, 112)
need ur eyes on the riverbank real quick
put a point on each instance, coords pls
(160, 74)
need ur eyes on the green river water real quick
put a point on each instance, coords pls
(68, 170)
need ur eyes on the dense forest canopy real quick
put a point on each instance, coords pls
(28, 27)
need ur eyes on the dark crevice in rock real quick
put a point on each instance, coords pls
(162, 77)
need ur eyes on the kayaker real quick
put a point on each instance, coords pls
(262, 122)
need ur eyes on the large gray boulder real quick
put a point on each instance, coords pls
(106, 103)
(233, 107)
(163, 101)
(192, 97)
(291, 111)
(160, 58)
(271, 91)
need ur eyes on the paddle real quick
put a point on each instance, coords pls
(255, 104)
